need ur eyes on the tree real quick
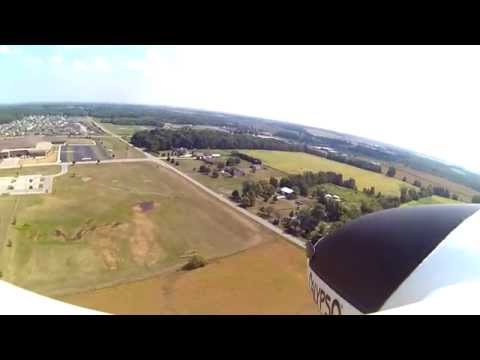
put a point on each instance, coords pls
(73, 162)
(98, 161)
(404, 179)
(391, 171)
(274, 181)
(215, 174)
(412, 194)
(235, 195)
(417, 183)
(319, 212)
(177, 163)
(365, 208)
(334, 210)
(455, 197)
(195, 262)
(245, 201)
(404, 195)
(476, 199)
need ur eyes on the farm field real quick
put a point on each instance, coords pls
(113, 223)
(31, 170)
(464, 192)
(431, 200)
(120, 150)
(295, 162)
(125, 131)
(266, 279)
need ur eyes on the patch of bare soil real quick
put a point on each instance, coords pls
(106, 245)
(86, 179)
(143, 247)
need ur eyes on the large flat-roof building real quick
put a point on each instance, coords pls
(24, 147)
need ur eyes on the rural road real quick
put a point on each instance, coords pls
(151, 158)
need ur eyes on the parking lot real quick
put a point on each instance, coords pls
(80, 153)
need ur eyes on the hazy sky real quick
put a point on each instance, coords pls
(425, 98)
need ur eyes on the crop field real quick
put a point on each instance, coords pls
(266, 279)
(295, 162)
(117, 149)
(465, 193)
(431, 200)
(112, 223)
(125, 131)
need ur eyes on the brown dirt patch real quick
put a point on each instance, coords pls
(144, 248)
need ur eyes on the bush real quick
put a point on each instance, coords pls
(195, 262)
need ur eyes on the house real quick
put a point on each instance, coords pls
(215, 155)
(256, 166)
(286, 191)
(233, 171)
(336, 197)
(328, 196)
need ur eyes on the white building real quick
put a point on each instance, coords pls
(286, 191)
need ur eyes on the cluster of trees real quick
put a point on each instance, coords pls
(163, 139)
(476, 199)
(391, 171)
(301, 183)
(246, 157)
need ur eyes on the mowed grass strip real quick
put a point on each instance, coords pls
(90, 232)
(125, 131)
(297, 162)
(431, 200)
(116, 147)
(31, 170)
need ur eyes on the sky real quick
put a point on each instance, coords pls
(423, 98)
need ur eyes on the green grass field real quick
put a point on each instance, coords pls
(125, 131)
(294, 162)
(121, 150)
(431, 200)
(91, 233)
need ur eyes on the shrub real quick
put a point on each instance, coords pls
(195, 262)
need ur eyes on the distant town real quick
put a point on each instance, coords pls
(45, 125)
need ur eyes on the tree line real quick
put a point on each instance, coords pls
(163, 139)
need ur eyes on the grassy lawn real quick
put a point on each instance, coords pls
(431, 200)
(31, 170)
(90, 232)
(121, 150)
(125, 131)
(293, 162)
